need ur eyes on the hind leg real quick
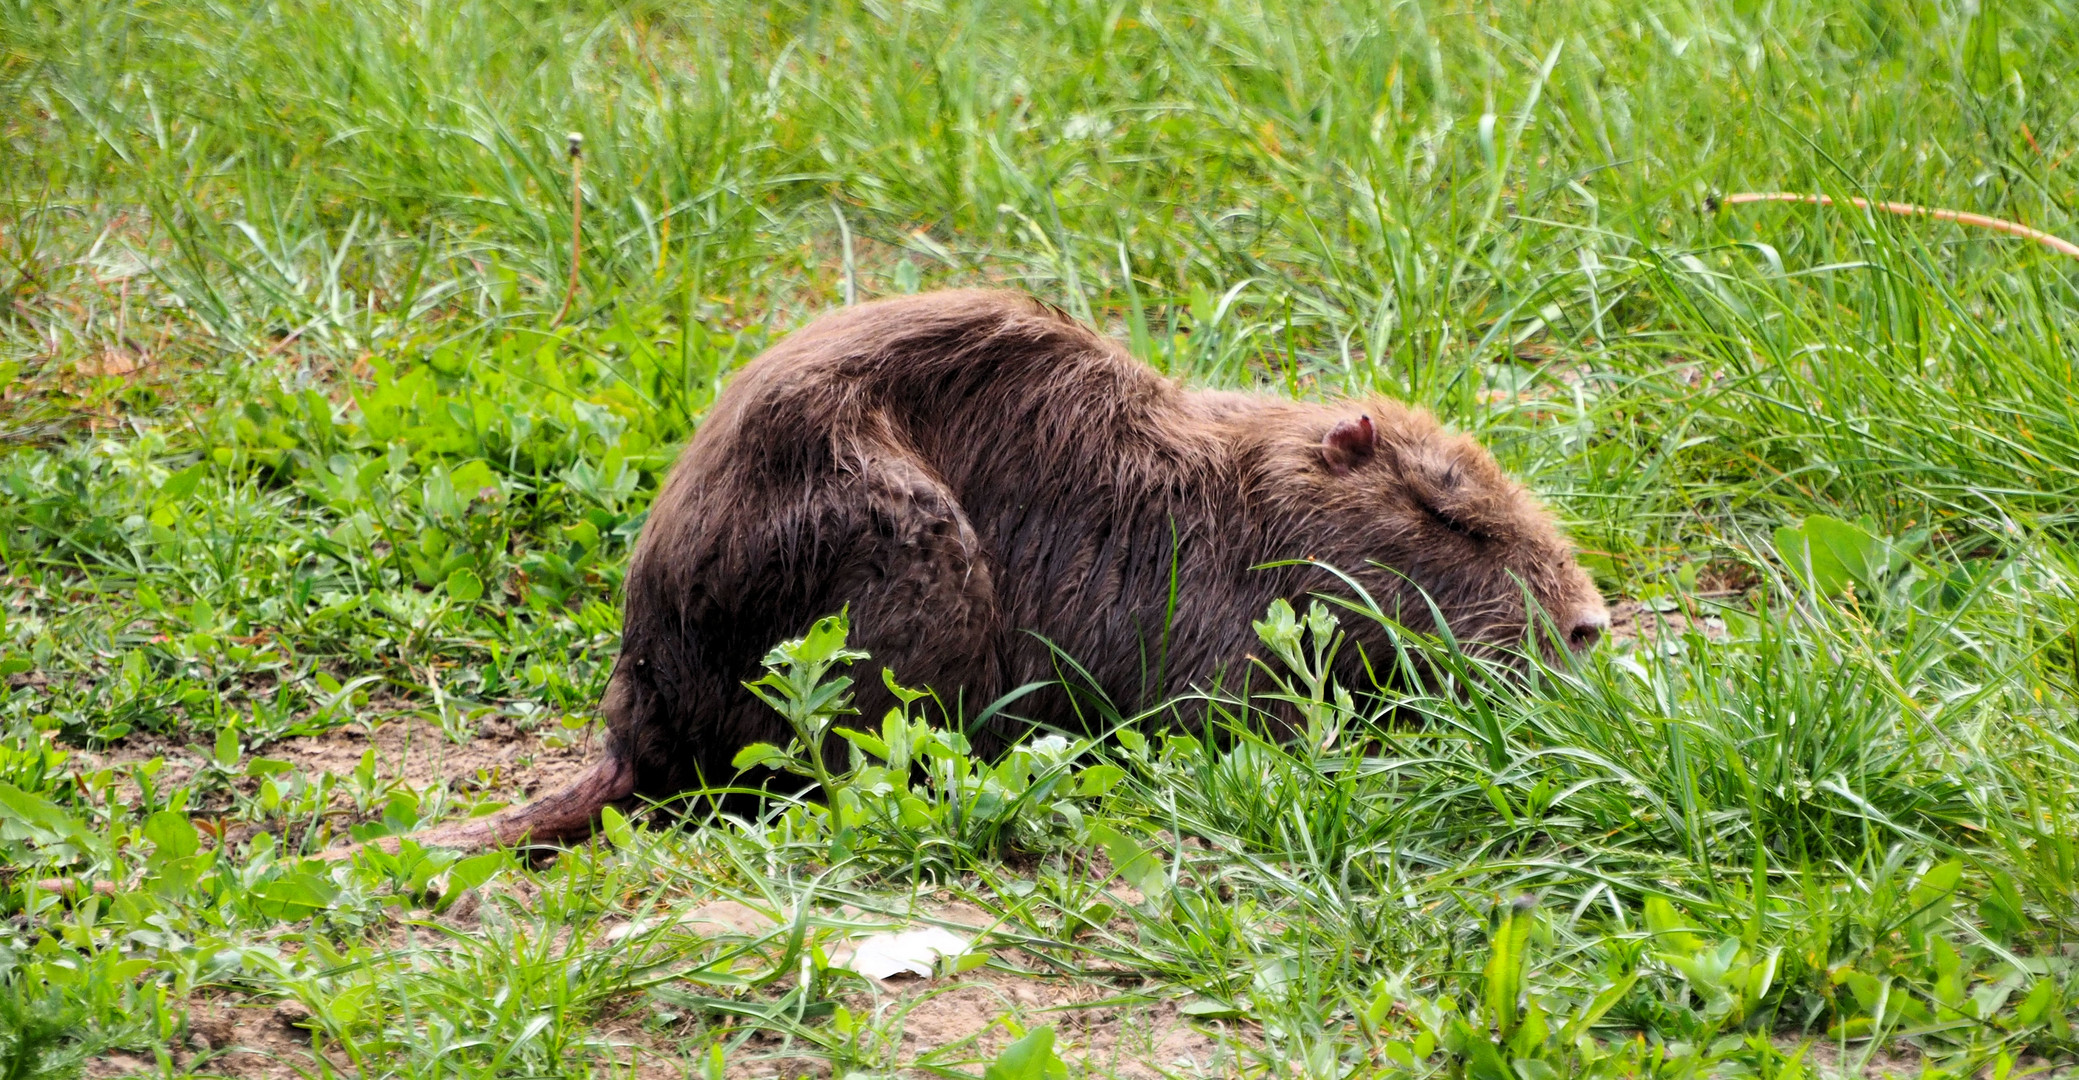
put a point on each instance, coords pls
(880, 536)
(920, 590)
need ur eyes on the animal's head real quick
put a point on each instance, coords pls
(1435, 510)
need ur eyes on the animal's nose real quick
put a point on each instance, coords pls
(1586, 628)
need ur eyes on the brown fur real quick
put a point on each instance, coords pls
(974, 472)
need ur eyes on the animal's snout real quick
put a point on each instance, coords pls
(1586, 628)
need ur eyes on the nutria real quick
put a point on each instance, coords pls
(982, 480)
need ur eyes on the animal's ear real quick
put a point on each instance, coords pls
(1348, 444)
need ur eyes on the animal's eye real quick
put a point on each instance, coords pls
(1452, 523)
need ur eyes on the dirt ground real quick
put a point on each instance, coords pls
(498, 762)
(1132, 1041)
(1632, 621)
(1096, 1034)
(248, 1040)
(266, 1040)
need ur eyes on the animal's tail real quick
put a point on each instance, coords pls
(568, 813)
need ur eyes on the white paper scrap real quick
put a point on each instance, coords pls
(911, 952)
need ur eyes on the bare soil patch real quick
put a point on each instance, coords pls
(959, 1021)
(1632, 621)
(967, 1019)
(234, 1038)
(497, 762)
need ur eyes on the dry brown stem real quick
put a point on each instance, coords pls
(577, 223)
(2012, 228)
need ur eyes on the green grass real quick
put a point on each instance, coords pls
(291, 444)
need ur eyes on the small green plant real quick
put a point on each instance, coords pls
(1031, 1057)
(798, 685)
(1307, 649)
(41, 1033)
(913, 789)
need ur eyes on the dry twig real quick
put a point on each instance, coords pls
(2012, 228)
